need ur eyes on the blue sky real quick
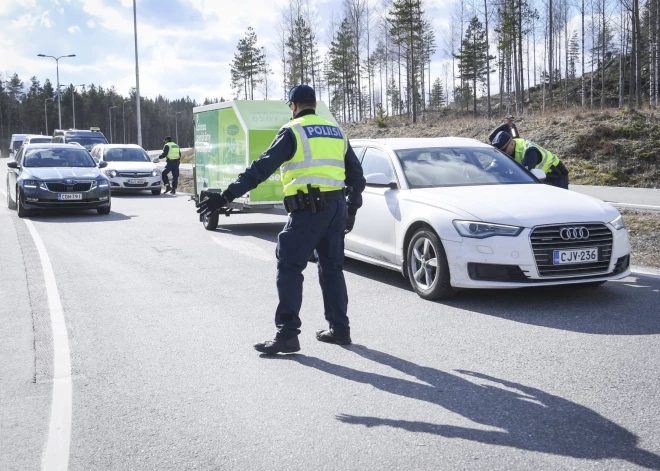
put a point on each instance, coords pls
(185, 45)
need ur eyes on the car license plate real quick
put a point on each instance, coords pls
(69, 196)
(135, 182)
(562, 257)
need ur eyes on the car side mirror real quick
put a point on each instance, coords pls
(380, 180)
(12, 164)
(103, 164)
(155, 160)
(538, 173)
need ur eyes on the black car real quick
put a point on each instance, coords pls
(47, 176)
(87, 139)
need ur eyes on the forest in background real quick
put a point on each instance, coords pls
(376, 63)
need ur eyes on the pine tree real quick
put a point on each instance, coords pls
(472, 59)
(437, 94)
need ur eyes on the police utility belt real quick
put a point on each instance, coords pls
(314, 199)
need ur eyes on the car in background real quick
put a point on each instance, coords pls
(456, 213)
(56, 176)
(129, 167)
(15, 143)
(36, 139)
(87, 139)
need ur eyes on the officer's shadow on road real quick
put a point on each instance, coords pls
(264, 230)
(69, 216)
(527, 418)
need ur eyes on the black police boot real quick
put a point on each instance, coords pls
(271, 347)
(168, 189)
(328, 336)
(174, 191)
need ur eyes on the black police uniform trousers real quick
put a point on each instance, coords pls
(171, 166)
(303, 233)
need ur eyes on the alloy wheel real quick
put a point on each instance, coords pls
(424, 263)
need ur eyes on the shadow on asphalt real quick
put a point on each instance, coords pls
(614, 308)
(71, 215)
(528, 418)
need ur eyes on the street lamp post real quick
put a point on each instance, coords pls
(73, 103)
(123, 117)
(110, 122)
(46, 112)
(59, 101)
(176, 126)
(137, 81)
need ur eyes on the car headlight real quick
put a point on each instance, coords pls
(34, 184)
(112, 173)
(482, 230)
(155, 173)
(618, 223)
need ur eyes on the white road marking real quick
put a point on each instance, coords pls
(56, 455)
(244, 247)
(635, 206)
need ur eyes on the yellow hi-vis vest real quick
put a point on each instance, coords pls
(174, 153)
(548, 160)
(319, 158)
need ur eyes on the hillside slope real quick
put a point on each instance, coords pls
(610, 147)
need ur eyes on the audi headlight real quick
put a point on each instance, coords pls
(618, 223)
(482, 230)
(155, 173)
(112, 173)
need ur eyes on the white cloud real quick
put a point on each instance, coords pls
(26, 20)
(46, 22)
(91, 24)
(73, 29)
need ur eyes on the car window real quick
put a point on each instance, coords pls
(57, 139)
(444, 166)
(19, 156)
(358, 151)
(58, 157)
(377, 161)
(129, 154)
(86, 142)
(40, 140)
(17, 145)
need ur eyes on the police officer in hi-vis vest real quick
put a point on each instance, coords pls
(172, 153)
(323, 184)
(531, 155)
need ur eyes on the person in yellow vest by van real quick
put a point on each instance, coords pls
(531, 155)
(172, 153)
(323, 183)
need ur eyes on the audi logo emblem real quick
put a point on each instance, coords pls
(574, 233)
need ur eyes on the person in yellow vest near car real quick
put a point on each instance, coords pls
(323, 183)
(172, 153)
(531, 155)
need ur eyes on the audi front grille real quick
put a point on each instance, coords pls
(546, 239)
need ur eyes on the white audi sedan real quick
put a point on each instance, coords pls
(129, 167)
(456, 213)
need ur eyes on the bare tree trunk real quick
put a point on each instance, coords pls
(551, 53)
(521, 73)
(638, 53)
(622, 55)
(593, 45)
(583, 91)
(602, 65)
(487, 61)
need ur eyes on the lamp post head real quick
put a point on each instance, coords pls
(41, 55)
(71, 55)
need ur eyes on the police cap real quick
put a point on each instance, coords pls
(502, 140)
(167, 139)
(509, 116)
(302, 94)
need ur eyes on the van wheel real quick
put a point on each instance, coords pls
(427, 267)
(11, 204)
(211, 222)
(22, 211)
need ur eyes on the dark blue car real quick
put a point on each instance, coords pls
(49, 176)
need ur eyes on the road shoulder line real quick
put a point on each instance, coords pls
(56, 454)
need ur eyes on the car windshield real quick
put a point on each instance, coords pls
(55, 157)
(87, 142)
(40, 140)
(461, 166)
(129, 154)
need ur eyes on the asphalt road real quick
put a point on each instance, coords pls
(641, 198)
(160, 320)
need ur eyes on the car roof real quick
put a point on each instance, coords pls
(119, 146)
(37, 135)
(18, 135)
(50, 145)
(419, 142)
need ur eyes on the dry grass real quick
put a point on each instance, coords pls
(644, 231)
